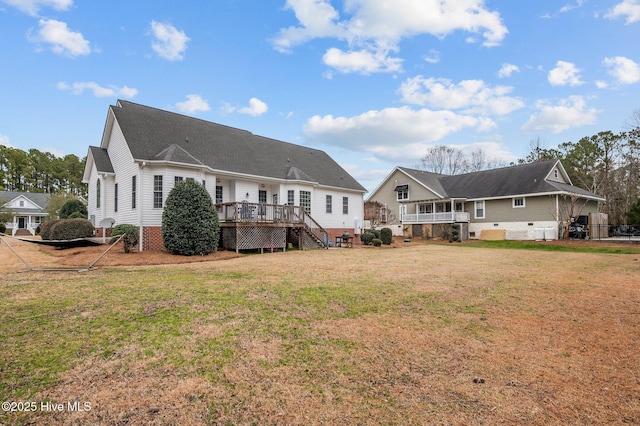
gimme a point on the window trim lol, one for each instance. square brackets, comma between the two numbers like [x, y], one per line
[158, 191]
[329, 204]
[517, 206]
[115, 197]
[484, 209]
[134, 191]
[345, 205]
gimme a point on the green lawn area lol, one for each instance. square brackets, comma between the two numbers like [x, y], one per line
[351, 336]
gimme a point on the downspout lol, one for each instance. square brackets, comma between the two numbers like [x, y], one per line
[141, 206]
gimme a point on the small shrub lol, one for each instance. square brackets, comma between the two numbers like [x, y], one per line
[3, 228]
[455, 233]
[376, 233]
[71, 207]
[386, 235]
[377, 242]
[70, 229]
[45, 228]
[366, 238]
[131, 235]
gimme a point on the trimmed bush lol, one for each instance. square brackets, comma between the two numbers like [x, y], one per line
[45, 228]
[73, 208]
[376, 233]
[386, 235]
[131, 235]
[366, 238]
[377, 242]
[3, 228]
[70, 229]
[189, 220]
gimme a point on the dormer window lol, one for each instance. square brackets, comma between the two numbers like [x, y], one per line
[402, 191]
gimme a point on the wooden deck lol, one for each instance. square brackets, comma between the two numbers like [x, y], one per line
[250, 226]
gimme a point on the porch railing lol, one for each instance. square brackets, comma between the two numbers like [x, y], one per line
[245, 212]
[446, 217]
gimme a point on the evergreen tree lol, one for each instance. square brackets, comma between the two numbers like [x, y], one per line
[189, 220]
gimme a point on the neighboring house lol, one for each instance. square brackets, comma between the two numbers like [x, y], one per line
[28, 209]
[267, 192]
[516, 201]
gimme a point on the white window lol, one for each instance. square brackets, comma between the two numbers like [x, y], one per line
[329, 203]
[345, 205]
[479, 208]
[518, 202]
[425, 209]
[305, 201]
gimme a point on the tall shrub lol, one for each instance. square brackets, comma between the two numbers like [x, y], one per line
[70, 229]
[45, 228]
[189, 220]
[386, 235]
[73, 207]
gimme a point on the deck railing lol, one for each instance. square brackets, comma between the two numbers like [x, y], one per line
[446, 217]
[245, 212]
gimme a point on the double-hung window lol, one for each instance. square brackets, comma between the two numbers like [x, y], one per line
[480, 210]
[134, 190]
[345, 205]
[157, 191]
[329, 203]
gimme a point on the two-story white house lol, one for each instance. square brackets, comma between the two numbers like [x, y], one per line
[268, 192]
[28, 210]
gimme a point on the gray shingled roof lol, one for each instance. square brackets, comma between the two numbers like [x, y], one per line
[101, 159]
[153, 134]
[503, 182]
[39, 198]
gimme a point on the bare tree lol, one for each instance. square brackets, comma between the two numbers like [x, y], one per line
[569, 207]
[378, 213]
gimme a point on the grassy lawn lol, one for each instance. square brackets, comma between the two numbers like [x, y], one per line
[430, 334]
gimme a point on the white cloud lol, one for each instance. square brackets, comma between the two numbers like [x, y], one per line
[600, 84]
[169, 43]
[569, 7]
[111, 91]
[4, 140]
[377, 27]
[568, 113]
[434, 58]
[256, 107]
[32, 7]
[628, 8]
[565, 73]
[388, 133]
[471, 96]
[623, 69]
[362, 61]
[507, 70]
[194, 103]
[63, 41]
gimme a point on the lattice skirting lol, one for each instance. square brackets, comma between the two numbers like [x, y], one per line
[253, 237]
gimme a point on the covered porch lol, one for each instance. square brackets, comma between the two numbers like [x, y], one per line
[433, 212]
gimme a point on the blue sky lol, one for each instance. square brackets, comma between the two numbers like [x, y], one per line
[371, 82]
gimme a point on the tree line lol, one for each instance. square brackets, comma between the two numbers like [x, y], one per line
[607, 164]
[37, 171]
